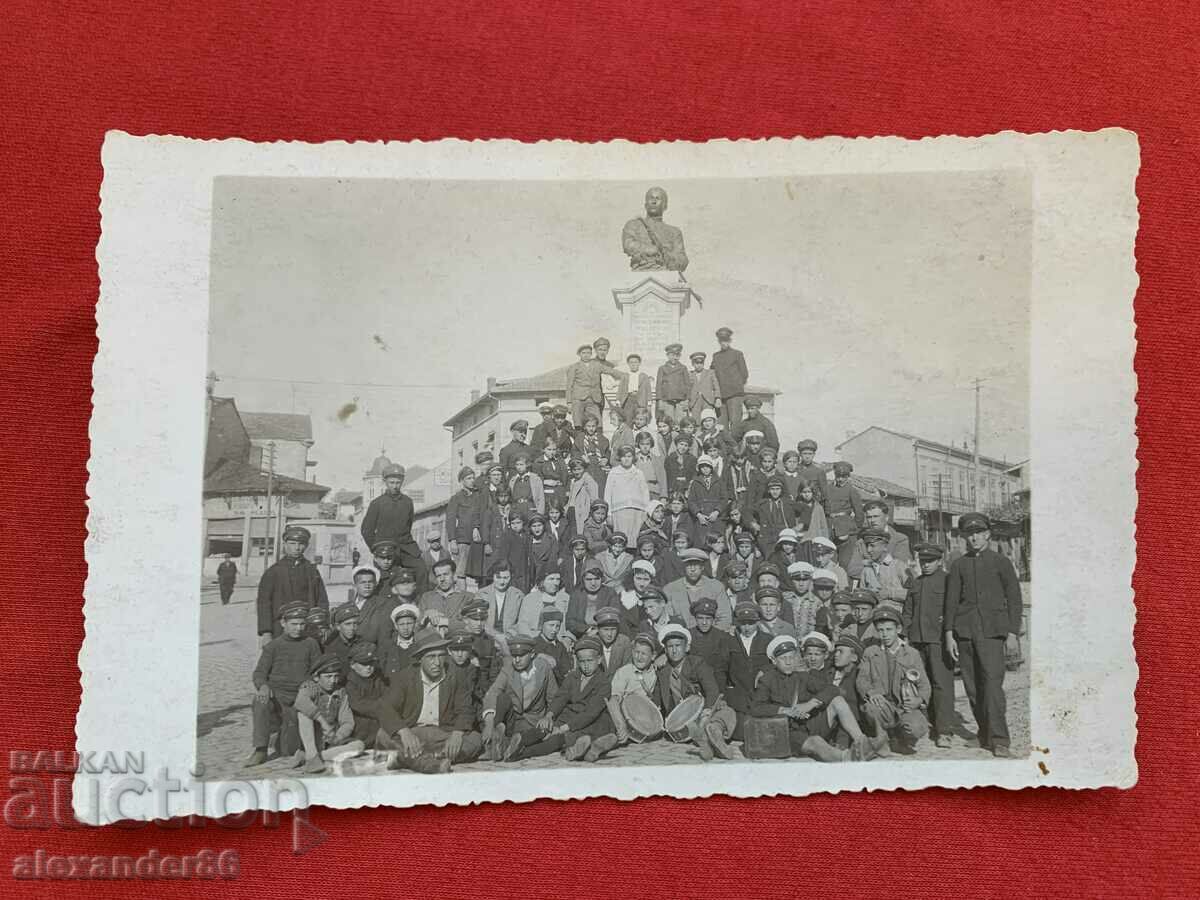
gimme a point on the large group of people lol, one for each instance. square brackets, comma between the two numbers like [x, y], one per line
[677, 578]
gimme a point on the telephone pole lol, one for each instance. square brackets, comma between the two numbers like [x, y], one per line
[270, 479]
[975, 492]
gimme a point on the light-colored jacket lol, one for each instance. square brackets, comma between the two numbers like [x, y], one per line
[508, 616]
[626, 489]
[509, 682]
[529, 618]
[903, 691]
[580, 494]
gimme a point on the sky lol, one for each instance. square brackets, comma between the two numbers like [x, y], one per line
[376, 306]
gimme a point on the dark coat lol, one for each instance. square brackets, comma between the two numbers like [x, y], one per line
[227, 572]
[732, 374]
[776, 689]
[713, 647]
[400, 706]
[573, 569]
[706, 499]
[287, 581]
[815, 476]
[468, 510]
[576, 621]
[696, 678]
[758, 423]
[680, 472]
[375, 617]
[743, 669]
[365, 694]
[388, 518]
[578, 707]
[983, 596]
[563, 660]
[924, 607]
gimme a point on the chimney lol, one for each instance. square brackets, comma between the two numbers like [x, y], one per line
[474, 396]
[491, 385]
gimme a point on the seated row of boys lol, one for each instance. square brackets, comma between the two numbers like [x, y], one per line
[441, 678]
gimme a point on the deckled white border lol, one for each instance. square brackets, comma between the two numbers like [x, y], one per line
[139, 658]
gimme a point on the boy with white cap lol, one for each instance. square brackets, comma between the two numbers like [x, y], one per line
[824, 557]
[805, 604]
[813, 707]
[684, 676]
[396, 654]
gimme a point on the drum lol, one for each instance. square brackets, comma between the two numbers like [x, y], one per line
[642, 716]
[682, 717]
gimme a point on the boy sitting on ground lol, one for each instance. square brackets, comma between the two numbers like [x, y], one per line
[324, 716]
[282, 666]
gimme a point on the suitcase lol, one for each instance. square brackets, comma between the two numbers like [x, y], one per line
[767, 738]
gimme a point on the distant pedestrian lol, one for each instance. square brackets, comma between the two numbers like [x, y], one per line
[226, 578]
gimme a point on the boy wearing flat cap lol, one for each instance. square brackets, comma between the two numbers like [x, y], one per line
[697, 585]
[345, 627]
[577, 720]
[729, 365]
[486, 655]
[426, 715]
[638, 676]
[615, 562]
[587, 600]
[548, 645]
[924, 607]
[844, 511]
[517, 445]
[324, 716]
[982, 621]
[809, 471]
[525, 488]
[703, 390]
[584, 394]
[882, 574]
[709, 643]
[615, 648]
[813, 707]
[893, 684]
[283, 665]
[862, 609]
[684, 676]
[516, 708]
[365, 687]
[756, 421]
[673, 384]
[291, 579]
[468, 526]
[747, 659]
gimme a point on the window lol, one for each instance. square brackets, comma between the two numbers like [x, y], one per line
[491, 439]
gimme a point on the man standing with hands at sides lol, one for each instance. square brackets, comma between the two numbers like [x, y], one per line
[673, 385]
[732, 375]
[390, 517]
[636, 389]
[982, 623]
[291, 579]
[469, 527]
[584, 395]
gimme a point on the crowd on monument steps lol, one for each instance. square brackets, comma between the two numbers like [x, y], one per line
[677, 578]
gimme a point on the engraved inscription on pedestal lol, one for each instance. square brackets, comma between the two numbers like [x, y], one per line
[650, 314]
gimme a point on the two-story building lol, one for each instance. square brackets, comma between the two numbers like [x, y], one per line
[942, 477]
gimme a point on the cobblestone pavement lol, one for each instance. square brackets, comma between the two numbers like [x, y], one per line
[229, 651]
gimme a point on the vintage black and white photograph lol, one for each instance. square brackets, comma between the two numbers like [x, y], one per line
[708, 478]
[566, 473]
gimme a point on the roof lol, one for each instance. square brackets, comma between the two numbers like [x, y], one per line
[552, 382]
[377, 467]
[873, 485]
[347, 497]
[232, 477]
[263, 426]
[936, 445]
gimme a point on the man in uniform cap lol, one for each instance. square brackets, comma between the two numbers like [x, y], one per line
[924, 606]
[426, 715]
[390, 516]
[732, 374]
[756, 421]
[537, 439]
[673, 385]
[365, 686]
[517, 445]
[893, 684]
[703, 392]
[695, 585]
[324, 717]
[809, 471]
[711, 644]
[876, 515]
[283, 665]
[291, 579]
[616, 648]
[982, 621]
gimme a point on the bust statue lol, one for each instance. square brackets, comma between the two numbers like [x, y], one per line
[649, 242]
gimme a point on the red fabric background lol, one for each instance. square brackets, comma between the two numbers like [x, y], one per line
[645, 71]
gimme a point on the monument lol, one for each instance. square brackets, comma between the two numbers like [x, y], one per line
[652, 306]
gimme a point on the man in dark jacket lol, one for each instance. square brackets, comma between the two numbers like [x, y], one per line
[756, 421]
[426, 713]
[390, 517]
[732, 375]
[684, 676]
[291, 579]
[747, 661]
[365, 687]
[469, 528]
[922, 619]
[982, 622]
[226, 578]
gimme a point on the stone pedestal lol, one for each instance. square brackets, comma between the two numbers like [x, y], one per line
[650, 314]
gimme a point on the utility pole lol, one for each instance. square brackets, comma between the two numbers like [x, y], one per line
[270, 480]
[975, 492]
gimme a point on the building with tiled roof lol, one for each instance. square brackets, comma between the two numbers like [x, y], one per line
[291, 434]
